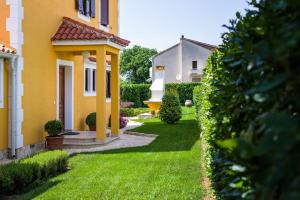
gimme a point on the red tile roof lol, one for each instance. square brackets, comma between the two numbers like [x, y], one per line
[93, 59]
[73, 30]
[7, 49]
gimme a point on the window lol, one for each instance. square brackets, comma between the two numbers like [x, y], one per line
[195, 64]
[94, 80]
[196, 79]
[1, 83]
[86, 9]
[108, 82]
[104, 12]
[90, 80]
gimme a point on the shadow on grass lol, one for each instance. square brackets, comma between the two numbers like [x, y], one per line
[33, 193]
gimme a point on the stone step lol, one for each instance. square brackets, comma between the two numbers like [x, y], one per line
[79, 140]
[87, 145]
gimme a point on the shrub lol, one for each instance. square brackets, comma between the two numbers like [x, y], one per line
[50, 163]
[248, 105]
[184, 90]
[170, 110]
[91, 119]
[123, 122]
[54, 128]
[132, 112]
[19, 176]
[136, 93]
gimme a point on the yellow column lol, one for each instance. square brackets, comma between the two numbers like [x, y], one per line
[115, 94]
[101, 94]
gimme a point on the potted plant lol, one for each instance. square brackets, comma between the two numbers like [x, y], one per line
[54, 139]
[91, 121]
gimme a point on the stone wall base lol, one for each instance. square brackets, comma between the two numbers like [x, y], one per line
[24, 151]
[3, 154]
[30, 149]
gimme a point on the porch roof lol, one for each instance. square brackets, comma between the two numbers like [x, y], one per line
[72, 30]
[4, 49]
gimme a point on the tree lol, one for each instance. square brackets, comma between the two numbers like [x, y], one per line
[170, 110]
[135, 63]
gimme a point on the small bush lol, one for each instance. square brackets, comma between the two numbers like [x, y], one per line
[136, 93]
[91, 119]
[54, 127]
[132, 112]
[170, 110]
[18, 176]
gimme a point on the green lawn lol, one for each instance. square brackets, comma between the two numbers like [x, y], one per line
[169, 168]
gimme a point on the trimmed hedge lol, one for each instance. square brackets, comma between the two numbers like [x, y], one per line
[136, 93]
[21, 175]
[132, 112]
[248, 105]
[184, 90]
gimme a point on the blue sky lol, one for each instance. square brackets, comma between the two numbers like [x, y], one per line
[160, 23]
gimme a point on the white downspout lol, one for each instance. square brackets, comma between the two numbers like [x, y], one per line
[13, 66]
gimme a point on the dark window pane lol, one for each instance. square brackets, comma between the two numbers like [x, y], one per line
[195, 64]
[108, 80]
[104, 12]
[94, 80]
[87, 80]
[80, 6]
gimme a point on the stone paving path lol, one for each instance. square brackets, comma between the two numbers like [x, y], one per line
[125, 141]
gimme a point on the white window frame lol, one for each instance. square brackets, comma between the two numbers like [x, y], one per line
[91, 66]
[84, 17]
[1, 83]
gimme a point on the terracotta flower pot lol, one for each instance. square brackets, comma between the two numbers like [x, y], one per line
[55, 142]
[92, 127]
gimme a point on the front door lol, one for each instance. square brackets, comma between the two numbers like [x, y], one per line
[62, 94]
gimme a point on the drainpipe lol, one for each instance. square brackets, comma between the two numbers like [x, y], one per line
[13, 67]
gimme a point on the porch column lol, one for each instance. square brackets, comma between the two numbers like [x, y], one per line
[115, 94]
[101, 94]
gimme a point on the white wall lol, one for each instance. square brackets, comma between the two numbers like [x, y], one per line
[169, 59]
[179, 59]
[191, 52]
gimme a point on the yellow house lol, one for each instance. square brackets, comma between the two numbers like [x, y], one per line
[58, 60]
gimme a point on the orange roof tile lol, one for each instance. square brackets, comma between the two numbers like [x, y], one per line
[73, 30]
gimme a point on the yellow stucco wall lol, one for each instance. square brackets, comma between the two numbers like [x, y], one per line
[4, 113]
[4, 37]
[4, 13]
[41, 20]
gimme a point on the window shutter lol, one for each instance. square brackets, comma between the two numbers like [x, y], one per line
[80, 6]
[104, 12]
[93, 9]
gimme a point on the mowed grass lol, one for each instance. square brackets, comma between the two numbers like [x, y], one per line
[169, 168]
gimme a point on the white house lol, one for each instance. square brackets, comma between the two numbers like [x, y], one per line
[183, 62]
